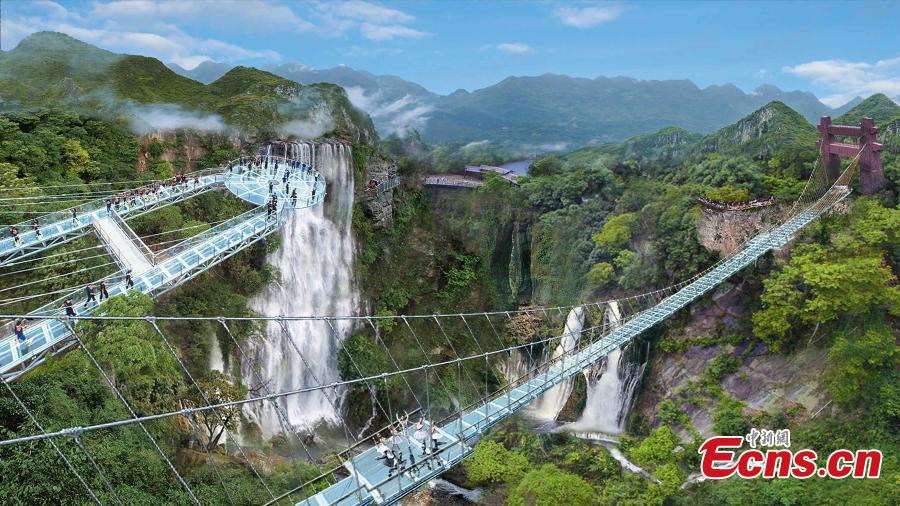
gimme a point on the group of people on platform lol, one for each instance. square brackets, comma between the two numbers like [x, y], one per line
[91, 296]
[736, 206]
[428, 441]
[121, 201]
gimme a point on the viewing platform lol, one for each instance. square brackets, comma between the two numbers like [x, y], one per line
[46, 329]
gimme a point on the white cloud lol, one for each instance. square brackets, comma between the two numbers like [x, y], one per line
[167, 29]
[398, 116]
[846, 80]
[514, 47]
[388, 32]
[588, 16]
[373, 13]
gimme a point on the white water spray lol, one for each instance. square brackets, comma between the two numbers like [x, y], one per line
[612, 384]
[548, 406]
[316, 261]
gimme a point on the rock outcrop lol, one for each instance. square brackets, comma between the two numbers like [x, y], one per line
[377, 205]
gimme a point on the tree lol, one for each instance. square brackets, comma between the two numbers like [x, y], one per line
[656, 449]
[78, 159]
[133, 353]
[548, 485]
[491, 462]
[218, 389]
[616, 233]
[859, 363]
[545, 166]
[601, 274]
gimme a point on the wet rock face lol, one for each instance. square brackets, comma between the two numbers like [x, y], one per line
[377, 205]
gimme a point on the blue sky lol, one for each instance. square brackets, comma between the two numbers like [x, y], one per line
[835, 49]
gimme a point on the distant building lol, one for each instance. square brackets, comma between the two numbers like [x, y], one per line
[479, 171]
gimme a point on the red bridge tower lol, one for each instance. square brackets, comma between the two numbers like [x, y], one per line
[871, 172]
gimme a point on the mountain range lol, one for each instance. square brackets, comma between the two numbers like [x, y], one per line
[546, 111]
[771, 130]
[537, 113]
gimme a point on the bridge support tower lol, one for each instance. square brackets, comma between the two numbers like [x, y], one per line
[871, 171]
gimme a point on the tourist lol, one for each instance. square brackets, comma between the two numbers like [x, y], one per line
[19, 329]
[294, 197]
[70, 309]
[420, 435]
[74, 215]
[271, 185]
[104, 294]
[108, 206]
[129, 283]
[14, 232]
[89, 292]
[118, 202]
[36, 226]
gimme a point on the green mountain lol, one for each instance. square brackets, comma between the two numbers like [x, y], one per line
[52, 69]
[878, 107]
[762, 134]
[553, 109]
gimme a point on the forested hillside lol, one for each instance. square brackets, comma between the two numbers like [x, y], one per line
[50, 69]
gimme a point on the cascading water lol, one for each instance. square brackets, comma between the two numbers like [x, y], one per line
[548, 406]
[611, 389]
[316, 261]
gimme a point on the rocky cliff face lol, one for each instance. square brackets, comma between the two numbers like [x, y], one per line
[377, 205]
[765, 382]
[725, 231]
[182, 148]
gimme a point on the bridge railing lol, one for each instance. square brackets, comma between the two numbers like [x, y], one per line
[93, 205]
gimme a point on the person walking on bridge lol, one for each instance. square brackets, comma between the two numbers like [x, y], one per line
[70, 309]
[36, 226]
[90, 295]
[74, 215]
[104, 293]
[294, 197]
[14, 233]
[108, 207]
[271, 185]
[129, 283]
[19, 329]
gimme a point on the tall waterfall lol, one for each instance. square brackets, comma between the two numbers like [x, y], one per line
[610, 393]
[316, 262]
[548, 406]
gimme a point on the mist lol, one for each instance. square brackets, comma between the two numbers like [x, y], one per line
[152, 118]
[392, 117]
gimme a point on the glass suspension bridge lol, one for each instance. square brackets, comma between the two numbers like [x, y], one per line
[358, 473]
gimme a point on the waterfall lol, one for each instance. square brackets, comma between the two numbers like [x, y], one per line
[316, 262]
[611, 389]
[548, 406]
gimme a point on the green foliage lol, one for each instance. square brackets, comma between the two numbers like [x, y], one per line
[217, 388]
[600, 274]
[728, 193]
[550, 486]
[860, 364]
[727, 418]
[722, 365]
[825, 284]
[549, 165]
[657, 449]
[362, 352]
[491, 462]
[616, 232]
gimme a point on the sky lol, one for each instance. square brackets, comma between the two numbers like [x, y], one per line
[837, 50]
